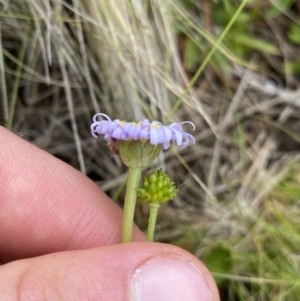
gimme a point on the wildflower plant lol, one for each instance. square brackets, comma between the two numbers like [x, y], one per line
[157, 189]
[138, 144]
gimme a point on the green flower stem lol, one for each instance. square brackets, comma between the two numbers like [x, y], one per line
[134, 175]
[152, 220]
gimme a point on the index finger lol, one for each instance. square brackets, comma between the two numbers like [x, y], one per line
[47, 206]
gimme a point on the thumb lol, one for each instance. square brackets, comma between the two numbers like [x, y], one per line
[133, 272]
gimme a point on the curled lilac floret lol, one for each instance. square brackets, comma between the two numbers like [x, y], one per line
[145, 123]
[100, 114]
[157, 133]
[102, 126]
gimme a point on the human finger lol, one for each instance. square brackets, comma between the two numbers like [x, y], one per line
[47, 206]
[134, 271]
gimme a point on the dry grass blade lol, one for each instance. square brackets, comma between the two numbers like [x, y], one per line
[127, 58]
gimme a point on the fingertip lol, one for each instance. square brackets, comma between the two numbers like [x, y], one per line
[133, 272]
[171, 278]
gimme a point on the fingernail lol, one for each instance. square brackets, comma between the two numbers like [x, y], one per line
[170, 278]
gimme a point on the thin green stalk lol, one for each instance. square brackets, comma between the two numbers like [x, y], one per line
[134, 175]
[207, 59]
[152, 220]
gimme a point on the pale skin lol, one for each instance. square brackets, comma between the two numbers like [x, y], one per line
[60, 234]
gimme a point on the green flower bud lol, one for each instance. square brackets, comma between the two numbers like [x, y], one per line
[157, 188]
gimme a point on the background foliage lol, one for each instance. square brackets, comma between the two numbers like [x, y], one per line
[234, 73]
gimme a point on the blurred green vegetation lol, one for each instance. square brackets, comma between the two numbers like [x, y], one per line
[238, 208]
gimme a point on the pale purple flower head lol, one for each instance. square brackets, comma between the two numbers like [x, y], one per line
[157, 133]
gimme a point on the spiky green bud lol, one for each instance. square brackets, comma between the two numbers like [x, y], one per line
[157, 188]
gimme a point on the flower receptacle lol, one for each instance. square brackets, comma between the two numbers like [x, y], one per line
[138, 153]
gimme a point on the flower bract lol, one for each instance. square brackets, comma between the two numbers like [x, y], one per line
[155, 132]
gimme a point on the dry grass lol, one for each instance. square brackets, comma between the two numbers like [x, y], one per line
[60, 62]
